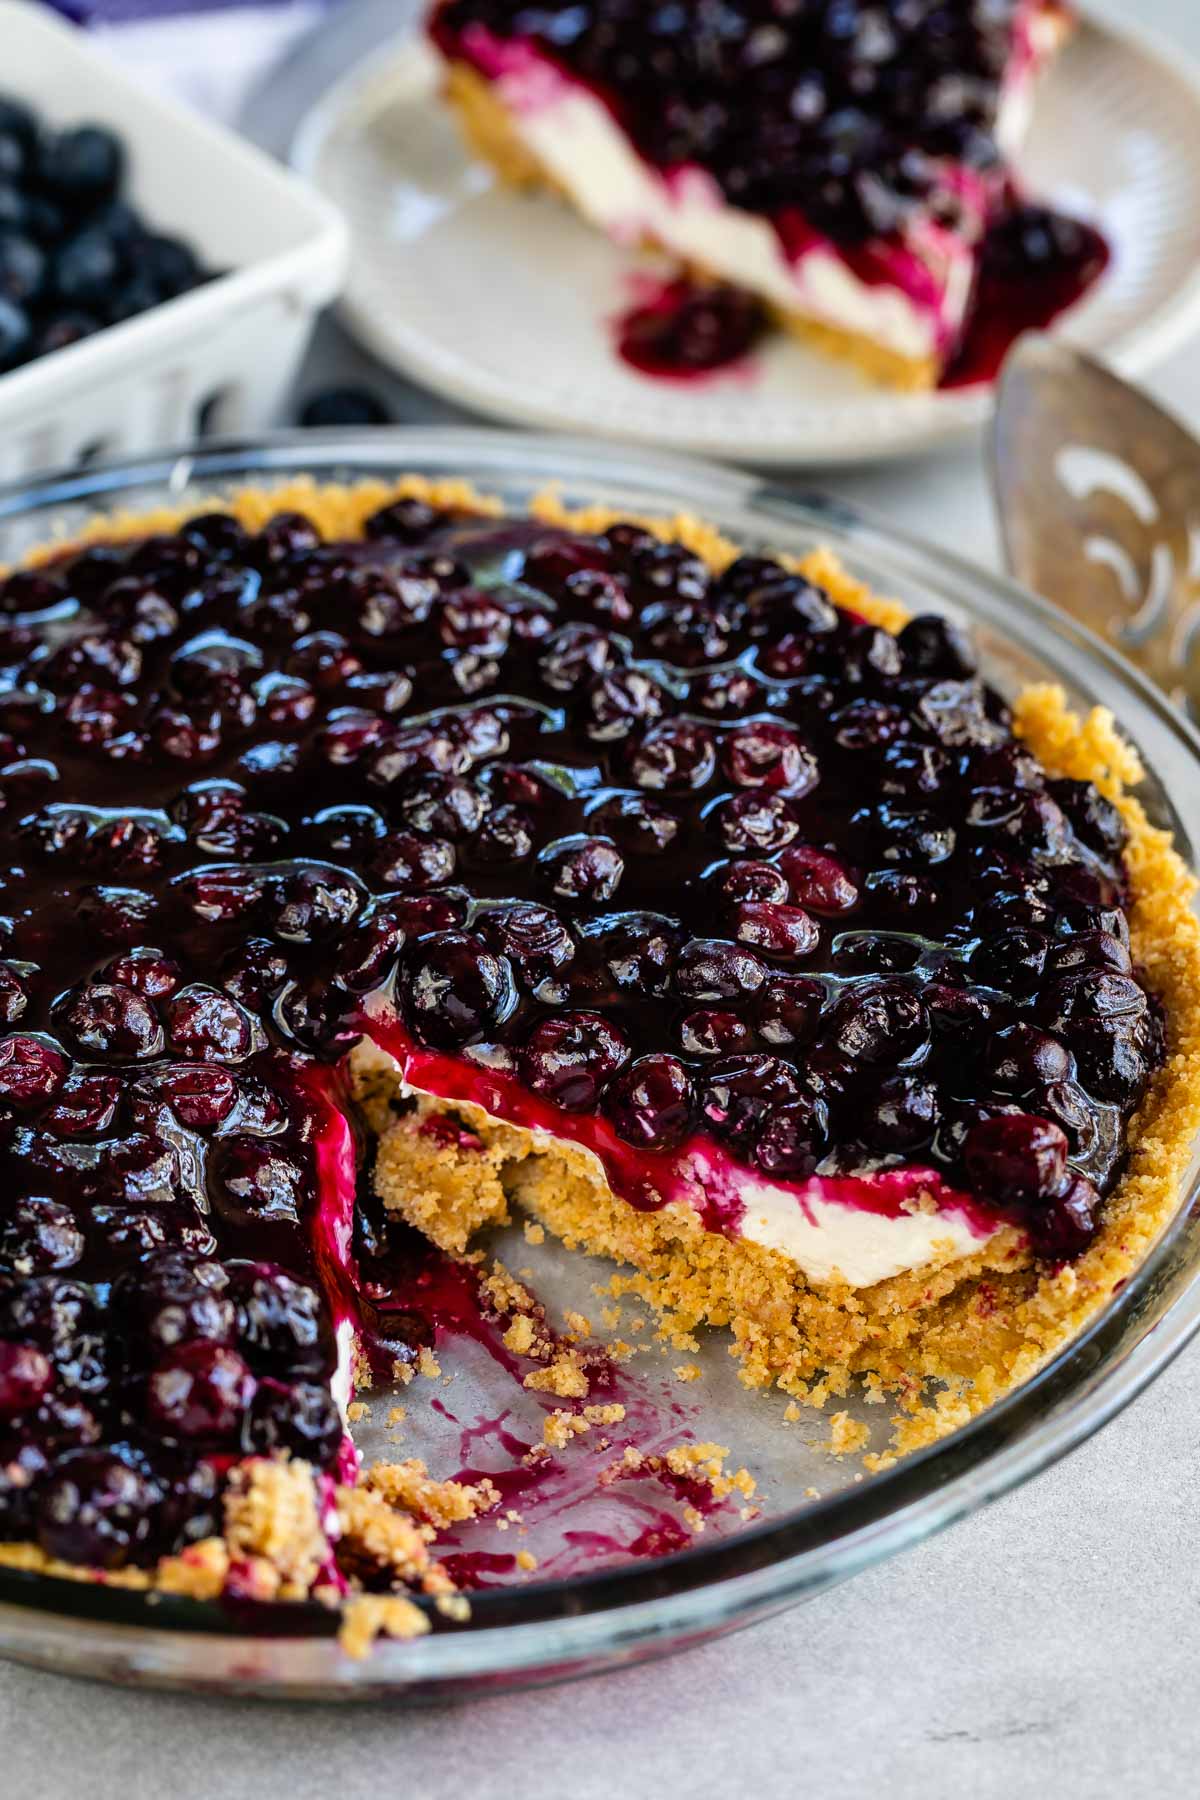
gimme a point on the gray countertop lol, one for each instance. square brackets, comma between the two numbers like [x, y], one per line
[1049, 1644]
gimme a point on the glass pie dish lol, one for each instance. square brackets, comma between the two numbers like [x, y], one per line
[819, 1520]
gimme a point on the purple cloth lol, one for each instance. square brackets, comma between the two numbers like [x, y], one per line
[121, 12]
[211, 53]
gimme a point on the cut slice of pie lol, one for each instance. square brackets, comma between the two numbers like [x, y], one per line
[842, 161]
[693, 903]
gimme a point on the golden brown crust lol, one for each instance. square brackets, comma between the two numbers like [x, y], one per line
[373, 1616]
[272, 1519]
[492, 133]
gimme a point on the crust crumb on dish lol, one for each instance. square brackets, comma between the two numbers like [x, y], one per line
[273, 1524]
[703, 1464]
[372, 1616]
[565, 1377]
[409, 1487]
[847, 1436]
[561, 1426]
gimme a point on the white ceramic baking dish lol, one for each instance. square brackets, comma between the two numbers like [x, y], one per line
[220, 358]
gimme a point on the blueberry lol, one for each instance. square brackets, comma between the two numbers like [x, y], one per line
[570, 1058]
[44, 220]
[85, 270]
[98, 1509]
[62, 329]
[16, 334]
[1017, 1159]
[254, 1179]
[104, 1019]
[82, 167]
[406, 521]
[13, 156]
[132, 297]
[738, 1093]
[282, 1329]
[932, 645]
[39, 1236]
[901, 1116]
[302, 1419]
[878, 1022]
[456, 991]
[19, 121]
[534, 939]
[200, 1391]
[15, 208]
[1093, 818]
[1066, 1226]
[794, 1138]
[344, 406]
[166, 261]
[121, 223]
[650, 1104]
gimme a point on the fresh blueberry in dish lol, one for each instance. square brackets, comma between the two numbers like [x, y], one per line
[16, 333]
[81, 167]
[75, 256]
[22, 268]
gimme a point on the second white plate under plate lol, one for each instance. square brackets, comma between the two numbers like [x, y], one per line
[504, 302]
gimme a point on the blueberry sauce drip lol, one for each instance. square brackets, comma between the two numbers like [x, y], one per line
[1036, 264]
[681, 329]
[681, 855]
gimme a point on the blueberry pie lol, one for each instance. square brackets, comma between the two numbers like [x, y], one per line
[374, 861]
[847, 162]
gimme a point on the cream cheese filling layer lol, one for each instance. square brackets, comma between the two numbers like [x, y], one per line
[829, 1239]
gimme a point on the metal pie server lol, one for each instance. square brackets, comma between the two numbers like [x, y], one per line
[1098, 494]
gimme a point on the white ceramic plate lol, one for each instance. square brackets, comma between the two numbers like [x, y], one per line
[503, 302]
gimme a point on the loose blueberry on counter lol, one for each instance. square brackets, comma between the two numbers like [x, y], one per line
[343, 406]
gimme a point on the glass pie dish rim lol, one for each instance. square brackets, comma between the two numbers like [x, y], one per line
[549, 1629]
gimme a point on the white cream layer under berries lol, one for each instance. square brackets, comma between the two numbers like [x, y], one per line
[846, 180]
[628, 841]
[848, 1230]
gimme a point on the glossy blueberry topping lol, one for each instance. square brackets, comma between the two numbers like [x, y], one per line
[841, 925]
